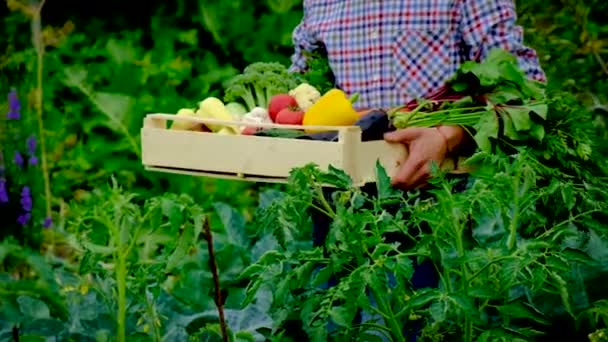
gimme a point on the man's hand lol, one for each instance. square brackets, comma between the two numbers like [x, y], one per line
[424, 145]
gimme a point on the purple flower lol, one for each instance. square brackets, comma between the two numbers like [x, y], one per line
[33, 160]
[31, 145]
[18, 159]
[23, 219]
[3, 192]
[14, 106]
[47, 222]
[26, 199]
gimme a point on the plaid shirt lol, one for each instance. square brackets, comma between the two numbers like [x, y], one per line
[393, 51]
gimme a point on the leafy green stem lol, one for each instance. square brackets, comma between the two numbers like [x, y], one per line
[515, 216]
[391, 319]
[484, 267]
[384, 330]
[119, 254]
[121, 284]
[329, 211]
[39, 46]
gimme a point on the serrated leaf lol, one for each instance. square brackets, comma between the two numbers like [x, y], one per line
[522, 310]
[486, 128]
[173, 210]
[568, 196]
[383, 183]
[336, 177]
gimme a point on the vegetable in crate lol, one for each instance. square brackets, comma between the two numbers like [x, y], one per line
[278, 103]
[214, 108]
[184, 125]
[257, 115]
[334, 108]
[305, 96]
[290, 116]
[236, 109]
[258, 83]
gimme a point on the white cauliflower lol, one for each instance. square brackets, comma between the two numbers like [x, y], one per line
[305, 95]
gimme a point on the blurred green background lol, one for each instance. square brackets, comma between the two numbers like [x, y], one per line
[106, 64]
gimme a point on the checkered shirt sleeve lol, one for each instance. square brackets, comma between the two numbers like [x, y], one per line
[394, 51]
[489, 24]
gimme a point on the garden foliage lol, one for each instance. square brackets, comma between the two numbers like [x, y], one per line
[95, 248]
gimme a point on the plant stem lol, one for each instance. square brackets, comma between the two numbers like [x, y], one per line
[329, 210]
[515, 216]
[39, 46]
[458, 230]
[389, 316]
[216, 279]
[121, 284]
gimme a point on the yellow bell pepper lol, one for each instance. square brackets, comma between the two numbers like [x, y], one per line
[332, 109]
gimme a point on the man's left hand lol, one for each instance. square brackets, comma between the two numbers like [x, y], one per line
[424, 145]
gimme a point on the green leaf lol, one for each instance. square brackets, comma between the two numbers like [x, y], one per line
[322, 276]
[568, 196]
[438, 311]
[342, 316]
[490, 228]
[540, 109]
[522, 310]
[121, 51]
[233, 222]
[537, 132]
[33, 308]
[174, 211]
[115, 107]
[509, 129]
[520, 117]
[597, 247]
[383, 183]
[487, 128]
[336, 177]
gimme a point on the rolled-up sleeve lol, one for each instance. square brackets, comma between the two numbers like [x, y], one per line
[303, 40]
[488, 24]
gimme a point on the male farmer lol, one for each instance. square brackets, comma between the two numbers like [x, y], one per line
[393, 51]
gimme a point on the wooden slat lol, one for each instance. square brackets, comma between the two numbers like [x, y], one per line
[267, 156]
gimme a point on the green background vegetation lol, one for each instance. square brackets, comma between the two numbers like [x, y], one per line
[109, 63]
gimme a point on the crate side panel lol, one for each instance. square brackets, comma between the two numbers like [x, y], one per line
[390, 155]
[264, 156]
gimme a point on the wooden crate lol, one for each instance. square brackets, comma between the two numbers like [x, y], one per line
[260, 159]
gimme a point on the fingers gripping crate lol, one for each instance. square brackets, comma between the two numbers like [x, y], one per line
[257, 158]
